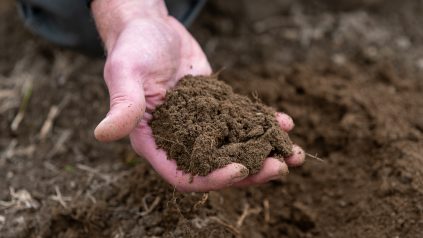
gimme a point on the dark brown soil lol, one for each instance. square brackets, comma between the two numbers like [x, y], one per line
[350, 76]
[204, 125]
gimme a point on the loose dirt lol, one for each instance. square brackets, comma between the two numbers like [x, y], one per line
[350, 75]
[204, 125]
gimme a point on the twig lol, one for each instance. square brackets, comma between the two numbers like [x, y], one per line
[218, 72]
[256, 96]
[266, 210]
[7, 93]
[12, 150]
[173, 201]
[202, 201]
[149, 209]
[315, 157]
[27, 151]
[20, 200]
[91, 197]
[52, 115]
[27, 92]
[108, 178]
[231, 228]
[48, 123]
[58, 146]
[59, 198]
[7, 105]
[247, 211]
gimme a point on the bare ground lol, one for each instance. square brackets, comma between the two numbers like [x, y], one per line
[349, 72]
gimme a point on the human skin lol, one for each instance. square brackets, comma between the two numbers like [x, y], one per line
[148, 51]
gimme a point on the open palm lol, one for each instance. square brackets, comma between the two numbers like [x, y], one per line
[147, 59]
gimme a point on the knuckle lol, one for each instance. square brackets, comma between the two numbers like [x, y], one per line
[122, 99]
[120, 66]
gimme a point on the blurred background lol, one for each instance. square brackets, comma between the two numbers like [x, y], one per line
[348, 72]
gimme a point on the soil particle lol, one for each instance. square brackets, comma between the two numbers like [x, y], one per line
[363, 116]
[204, 125]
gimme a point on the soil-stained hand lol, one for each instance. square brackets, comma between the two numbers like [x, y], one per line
[146, 57]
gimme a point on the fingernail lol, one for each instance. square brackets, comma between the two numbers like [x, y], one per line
[297, 158]
[103, 121]
[276, 177]
[286, 120]
[99, 130]
[283, 171]
[242, 174]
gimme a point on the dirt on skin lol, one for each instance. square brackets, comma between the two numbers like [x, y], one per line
[349, 74]
[204, 126]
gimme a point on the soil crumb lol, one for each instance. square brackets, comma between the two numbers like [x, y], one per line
[204, 125]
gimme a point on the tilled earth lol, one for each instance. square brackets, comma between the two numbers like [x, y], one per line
[349, 73]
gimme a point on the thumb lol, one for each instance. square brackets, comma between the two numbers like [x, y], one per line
[127, 104]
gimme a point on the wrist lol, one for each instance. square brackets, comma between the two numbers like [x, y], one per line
[112, 16]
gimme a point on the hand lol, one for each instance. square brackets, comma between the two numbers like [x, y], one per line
[148, 52]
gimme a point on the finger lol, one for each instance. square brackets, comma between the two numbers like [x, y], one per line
[272, 169]
[218, 179]
[297, 158]
[195, 61]
[127, 103]
[156, 8]
[285, 121]
[144, 144]
[201, 67]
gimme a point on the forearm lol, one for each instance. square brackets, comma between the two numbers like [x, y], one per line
[111, 16]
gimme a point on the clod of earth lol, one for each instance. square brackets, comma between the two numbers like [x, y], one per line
[204, 125]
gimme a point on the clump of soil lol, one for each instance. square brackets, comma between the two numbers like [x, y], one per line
[204, 125]
[354, 91]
